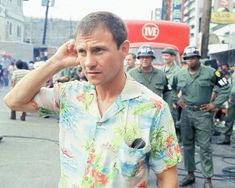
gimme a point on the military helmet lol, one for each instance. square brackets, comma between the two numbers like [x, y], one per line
[145, 51]
[168, 50]
[191, 51]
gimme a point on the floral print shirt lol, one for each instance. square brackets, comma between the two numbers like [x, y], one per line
[95, 151]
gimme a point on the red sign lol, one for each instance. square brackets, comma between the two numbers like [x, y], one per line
[150, 31]
[164, 32]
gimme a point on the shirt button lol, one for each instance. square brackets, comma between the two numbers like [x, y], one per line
[99, 123]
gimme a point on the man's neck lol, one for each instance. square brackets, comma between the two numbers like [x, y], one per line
[147, 69]
[107, 94]
[194, 70]
[169, 64]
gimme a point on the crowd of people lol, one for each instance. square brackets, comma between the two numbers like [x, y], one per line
[119, 118]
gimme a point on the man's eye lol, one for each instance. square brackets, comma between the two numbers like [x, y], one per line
[82, 52]
[98, 50]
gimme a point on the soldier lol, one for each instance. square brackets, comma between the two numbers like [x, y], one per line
[130, 61]
[196, 85]
[230, 117]
[170, 68]
[146, 74]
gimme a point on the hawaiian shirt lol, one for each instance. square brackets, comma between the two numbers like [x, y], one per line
[96, 151]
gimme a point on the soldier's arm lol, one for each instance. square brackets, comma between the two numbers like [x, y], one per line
[223, 89]
[232, 96]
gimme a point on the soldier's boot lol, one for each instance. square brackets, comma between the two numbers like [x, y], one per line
[188, 179]
[13, 115]
[23, 116]
[207, 183]
[226, 141]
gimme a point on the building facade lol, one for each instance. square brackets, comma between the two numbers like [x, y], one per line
[11, 20]
[58, 31]
[192, 16]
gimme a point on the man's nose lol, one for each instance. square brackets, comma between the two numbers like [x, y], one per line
[90, 61]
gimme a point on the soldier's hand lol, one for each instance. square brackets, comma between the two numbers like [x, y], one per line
[181, 103]
[207, 107]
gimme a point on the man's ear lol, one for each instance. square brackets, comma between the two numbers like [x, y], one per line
[125, 47]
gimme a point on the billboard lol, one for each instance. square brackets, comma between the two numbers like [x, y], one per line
[223, 5]
[223, 17]
[222, 13]
[166, 10]
[177, 11]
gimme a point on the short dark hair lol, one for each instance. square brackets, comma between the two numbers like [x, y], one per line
[132, 54]
[108, 20]
[21, 65]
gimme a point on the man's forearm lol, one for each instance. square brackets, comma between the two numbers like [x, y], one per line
[29, 86]
[168, 179]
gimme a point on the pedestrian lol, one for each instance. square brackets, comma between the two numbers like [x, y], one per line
[146, 74]
[229, 121]
[196, 86]
[112, 129]
[17, 75]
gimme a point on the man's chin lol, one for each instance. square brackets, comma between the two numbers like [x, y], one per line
[94, 82]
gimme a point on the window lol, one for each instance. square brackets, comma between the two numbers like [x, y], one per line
[18, 31]
[19, 3]
[9, 28]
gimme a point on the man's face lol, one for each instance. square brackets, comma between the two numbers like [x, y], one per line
[167, 58]
[192, 62]
[100, 58]
[130, 61]
[224, 67]
[146, 61]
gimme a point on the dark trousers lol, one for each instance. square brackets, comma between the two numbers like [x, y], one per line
[196, 128]
[13, 115]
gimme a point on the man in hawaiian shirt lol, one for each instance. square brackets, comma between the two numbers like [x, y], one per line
[101, 120]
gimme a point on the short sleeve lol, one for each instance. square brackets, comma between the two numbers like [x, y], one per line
[47, 100]
[165, 151]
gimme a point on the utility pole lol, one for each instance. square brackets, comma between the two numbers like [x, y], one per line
[45, 23]
[205, 26]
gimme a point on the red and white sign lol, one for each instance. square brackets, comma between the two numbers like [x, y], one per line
[150, 31]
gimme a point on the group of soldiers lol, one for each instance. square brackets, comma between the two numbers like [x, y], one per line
[188, 92]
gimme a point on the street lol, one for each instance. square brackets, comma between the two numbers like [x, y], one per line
[29, 156]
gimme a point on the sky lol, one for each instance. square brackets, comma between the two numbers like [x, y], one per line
[77, 9]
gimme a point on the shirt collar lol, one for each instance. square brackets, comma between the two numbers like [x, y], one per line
[130, 89]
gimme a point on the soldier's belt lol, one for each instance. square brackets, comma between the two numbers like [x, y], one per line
[193, 107]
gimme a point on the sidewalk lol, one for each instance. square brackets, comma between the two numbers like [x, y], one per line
[29, 156]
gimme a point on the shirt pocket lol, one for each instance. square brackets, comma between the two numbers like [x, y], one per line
[131, 160]
[204, 83]
[159, 87]
[182, 86]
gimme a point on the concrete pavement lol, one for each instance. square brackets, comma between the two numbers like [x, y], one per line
[29, 154]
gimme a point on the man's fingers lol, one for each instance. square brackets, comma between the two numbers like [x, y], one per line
[70, 44]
